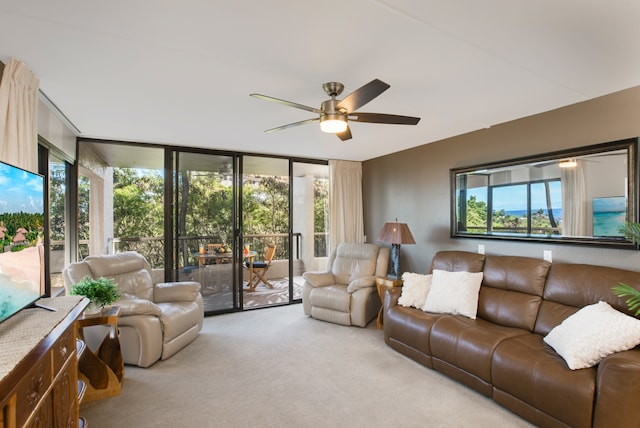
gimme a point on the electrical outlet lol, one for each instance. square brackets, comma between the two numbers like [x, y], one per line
[480, 249]
[547, 256]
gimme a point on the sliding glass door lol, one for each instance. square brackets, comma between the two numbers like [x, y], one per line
[203, 218]
[265, 231]
[310, 219]
[193, 212]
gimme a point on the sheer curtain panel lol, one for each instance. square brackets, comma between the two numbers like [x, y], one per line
[345, 202]
[574, 215]
[18, 126]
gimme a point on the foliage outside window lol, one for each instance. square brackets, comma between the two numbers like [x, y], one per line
[206, 213]
[320, 216]
[57, 194]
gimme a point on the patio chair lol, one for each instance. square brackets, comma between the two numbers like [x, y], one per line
[260, 269]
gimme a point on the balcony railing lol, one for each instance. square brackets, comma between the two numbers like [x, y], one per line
[153, 247]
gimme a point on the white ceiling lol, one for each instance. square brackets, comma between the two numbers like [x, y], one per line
[180, 72]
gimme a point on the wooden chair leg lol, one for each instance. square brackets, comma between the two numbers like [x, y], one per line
[262, 279]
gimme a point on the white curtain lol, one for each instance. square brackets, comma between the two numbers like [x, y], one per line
[345, 201]
[18, 125]
[574, 212]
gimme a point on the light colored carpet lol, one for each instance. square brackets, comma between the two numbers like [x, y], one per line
[276, 367]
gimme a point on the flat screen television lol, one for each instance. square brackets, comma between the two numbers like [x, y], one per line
[21, 239]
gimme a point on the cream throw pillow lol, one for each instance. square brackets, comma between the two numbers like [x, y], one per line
[595, 331]
[415, 287]
[454, 293]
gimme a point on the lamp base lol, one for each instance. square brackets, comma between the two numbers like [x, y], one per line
[395, 262]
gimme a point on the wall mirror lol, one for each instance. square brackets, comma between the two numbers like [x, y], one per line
[578, 196]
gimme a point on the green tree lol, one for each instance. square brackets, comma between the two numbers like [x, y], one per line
[57, 189]
[476, 213]
[320, 215]
[138, 203]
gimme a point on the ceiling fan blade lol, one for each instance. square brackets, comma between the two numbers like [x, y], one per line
[362, 95]
[286, 103]
[291, 125]
[345, 135]
[392, 119]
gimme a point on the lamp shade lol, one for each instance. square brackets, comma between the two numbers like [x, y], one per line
[396, 233]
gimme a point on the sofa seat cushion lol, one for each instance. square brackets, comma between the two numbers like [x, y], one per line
[178, 317]
[469, 344]
[526, 368]
[334, 297]
[412, 328]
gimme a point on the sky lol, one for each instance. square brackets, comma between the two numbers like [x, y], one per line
[20, 191]
[618, 204]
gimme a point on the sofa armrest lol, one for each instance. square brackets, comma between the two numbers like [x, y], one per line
[184, 291]
[617, 390]
[131, 305]
[319, 279]
[391, 297]
[359, 283]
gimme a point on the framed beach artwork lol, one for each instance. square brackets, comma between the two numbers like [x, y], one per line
[609, 215]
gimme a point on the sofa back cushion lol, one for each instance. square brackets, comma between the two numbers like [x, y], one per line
[353, 261]
[457, 261]
[572, 286]
[512, 290]
[130, 270]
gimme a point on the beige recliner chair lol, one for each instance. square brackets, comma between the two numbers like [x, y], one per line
[346, 293]
[156, 319]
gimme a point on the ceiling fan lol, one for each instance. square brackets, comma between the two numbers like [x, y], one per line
[334, 114]
[572, 161]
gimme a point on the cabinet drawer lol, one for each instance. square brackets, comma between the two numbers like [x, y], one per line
[62, 349]
[32, 388]
[43, 417]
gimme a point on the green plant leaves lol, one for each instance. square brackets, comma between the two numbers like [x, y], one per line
[100, 291]
[625, 290]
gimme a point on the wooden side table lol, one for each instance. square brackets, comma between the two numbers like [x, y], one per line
[102, 370]
[383, 283]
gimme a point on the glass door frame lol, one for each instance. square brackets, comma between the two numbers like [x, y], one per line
[172, 169]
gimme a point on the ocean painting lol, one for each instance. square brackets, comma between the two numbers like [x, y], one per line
[609, 215]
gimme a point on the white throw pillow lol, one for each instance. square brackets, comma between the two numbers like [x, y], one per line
[595, 331]
[454, 293]
[415, 287]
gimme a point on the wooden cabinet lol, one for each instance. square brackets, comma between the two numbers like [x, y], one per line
[39, 373]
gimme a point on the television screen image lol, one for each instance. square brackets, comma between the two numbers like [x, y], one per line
[21, 239]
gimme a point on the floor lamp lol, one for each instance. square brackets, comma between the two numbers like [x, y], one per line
[396, 234]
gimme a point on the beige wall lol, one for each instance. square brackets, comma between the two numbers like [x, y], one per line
[413, 185]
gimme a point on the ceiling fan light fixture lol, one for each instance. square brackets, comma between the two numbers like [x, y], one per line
[568, 163]
[333, 123]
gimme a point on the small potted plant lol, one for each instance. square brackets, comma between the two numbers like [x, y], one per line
[632, 233]
[100, 291]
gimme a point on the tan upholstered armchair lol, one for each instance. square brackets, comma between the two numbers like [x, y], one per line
[156, 319]
[346, 293]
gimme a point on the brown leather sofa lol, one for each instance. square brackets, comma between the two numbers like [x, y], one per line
[502, 353]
